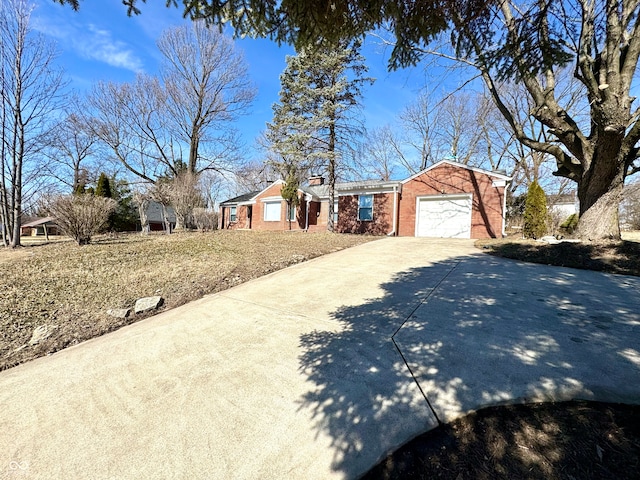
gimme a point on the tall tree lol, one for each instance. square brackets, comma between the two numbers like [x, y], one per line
[207, 88]
[30, 88]
[71, 149]
[154, 125]
[315, 117]
[601, 40]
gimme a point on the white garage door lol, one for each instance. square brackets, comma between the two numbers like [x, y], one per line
[444, 216]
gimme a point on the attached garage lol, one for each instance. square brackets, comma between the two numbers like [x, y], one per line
[451, 200]
[444, 216]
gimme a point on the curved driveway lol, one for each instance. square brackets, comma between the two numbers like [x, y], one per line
[318, 370]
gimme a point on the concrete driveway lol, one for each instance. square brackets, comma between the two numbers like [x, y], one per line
[317, 371]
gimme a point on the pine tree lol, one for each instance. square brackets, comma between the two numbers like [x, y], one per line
[535, 212]
[103, 187]
[289, 192]
[314, 122]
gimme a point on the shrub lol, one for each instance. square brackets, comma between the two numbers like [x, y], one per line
[205, 219]
[570, 224]
[80, 216]
[535, 212]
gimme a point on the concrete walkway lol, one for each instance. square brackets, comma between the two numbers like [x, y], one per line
[312, 372]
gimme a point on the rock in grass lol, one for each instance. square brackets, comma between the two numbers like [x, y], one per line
[40, 333]
[119, 312]
[147, 303]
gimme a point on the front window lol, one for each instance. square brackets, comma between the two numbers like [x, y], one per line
[272, 211]
[335, 212]
[232, 214]
[365, 207]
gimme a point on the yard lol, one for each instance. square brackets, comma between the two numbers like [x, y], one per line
[70, 288]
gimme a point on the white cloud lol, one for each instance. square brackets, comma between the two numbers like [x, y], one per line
[92, 43]
[99, 45]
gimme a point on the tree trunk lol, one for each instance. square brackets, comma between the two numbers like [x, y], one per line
[332, 174]
[600, 193]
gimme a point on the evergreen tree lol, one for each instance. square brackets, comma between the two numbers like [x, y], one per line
[103, 187]
[314, 122]
[289, 192]
[535, 212]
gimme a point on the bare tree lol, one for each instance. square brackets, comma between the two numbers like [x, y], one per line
[184, 195]
[132, 120]
[456, 127]
[207, 88]
[30, 91]
[382, 155]
[155, 126]
[601, 42]
[70, 150]
[419, 122]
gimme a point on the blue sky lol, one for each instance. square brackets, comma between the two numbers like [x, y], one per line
[101, 43]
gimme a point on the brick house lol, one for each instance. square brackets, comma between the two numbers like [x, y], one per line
[447, 199]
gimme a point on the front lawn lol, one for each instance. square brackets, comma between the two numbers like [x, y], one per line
[70, 288]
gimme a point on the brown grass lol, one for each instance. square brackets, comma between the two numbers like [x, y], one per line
[71, 287]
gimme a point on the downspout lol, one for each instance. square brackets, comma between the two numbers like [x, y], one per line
[504, 209]
[306, 220]
[392, 233]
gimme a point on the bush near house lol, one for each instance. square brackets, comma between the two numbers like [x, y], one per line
[535, 212]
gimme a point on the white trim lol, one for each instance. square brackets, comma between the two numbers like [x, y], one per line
[272, 199]
[379, 191]
[442, 197]
[458, 165]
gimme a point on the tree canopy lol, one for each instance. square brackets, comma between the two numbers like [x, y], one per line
[304, 23]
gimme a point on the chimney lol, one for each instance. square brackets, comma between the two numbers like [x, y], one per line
[316, 180]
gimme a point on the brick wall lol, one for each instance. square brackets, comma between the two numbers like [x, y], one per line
[382, 221]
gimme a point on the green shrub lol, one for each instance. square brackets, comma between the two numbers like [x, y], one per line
[535, 212]
[570, 224]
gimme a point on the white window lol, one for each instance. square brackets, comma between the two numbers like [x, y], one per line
[272, 211]
[232, 215]
[335, 212]
[365, 207]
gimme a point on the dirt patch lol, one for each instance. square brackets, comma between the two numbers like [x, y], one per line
[572, 440]
[68, 288]
[611, 257]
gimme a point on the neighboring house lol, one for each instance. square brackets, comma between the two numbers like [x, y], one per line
[40, 226]
[563, 205]
[155, 217]
[448, 199]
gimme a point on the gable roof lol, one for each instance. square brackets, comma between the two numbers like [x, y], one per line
[38, 221]
[245, 197]
[501, 176]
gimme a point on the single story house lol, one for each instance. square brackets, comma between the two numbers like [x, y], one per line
[447, 199]
[40, 226]
[155, 216]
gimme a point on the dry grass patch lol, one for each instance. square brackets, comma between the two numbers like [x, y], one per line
[611, 257]
[71, 287]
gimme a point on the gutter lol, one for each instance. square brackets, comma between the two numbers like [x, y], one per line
[306, 220]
